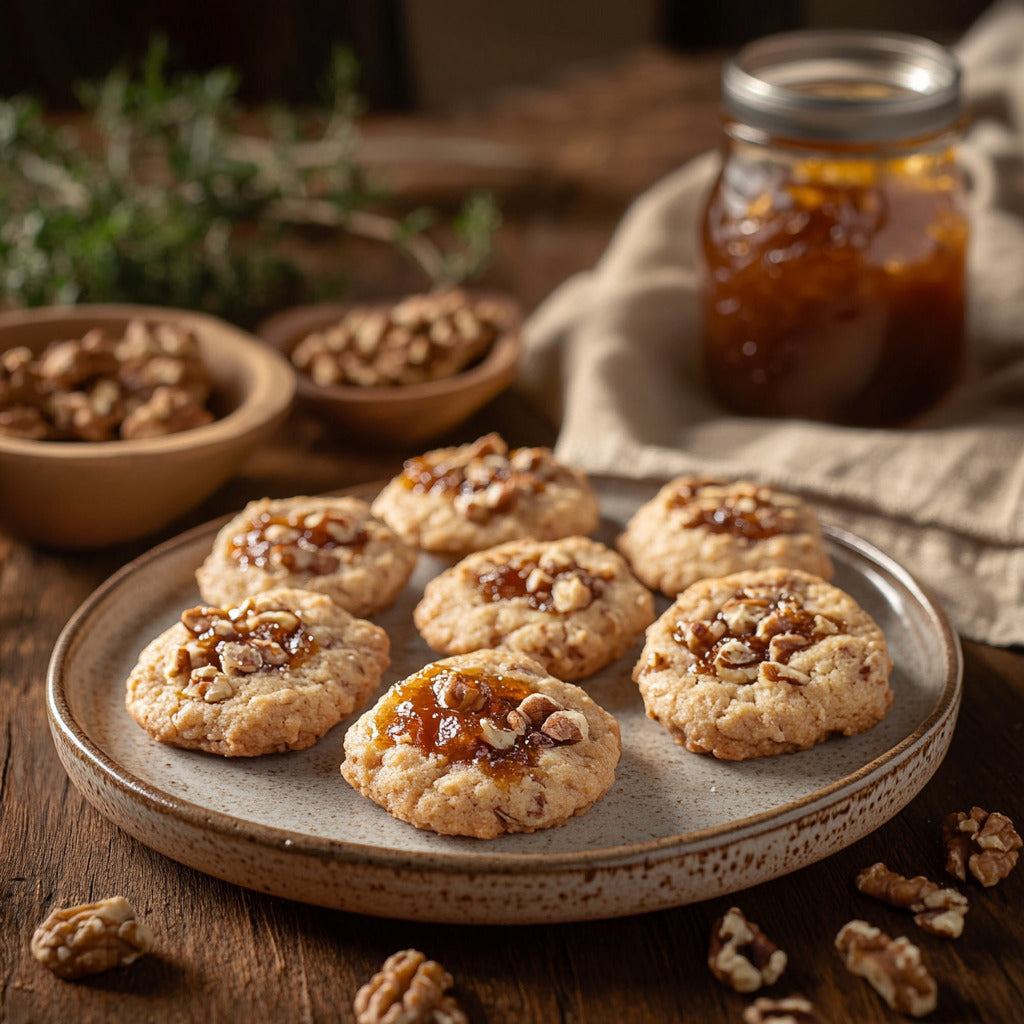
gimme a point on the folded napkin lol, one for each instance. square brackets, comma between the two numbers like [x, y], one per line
[612, 356]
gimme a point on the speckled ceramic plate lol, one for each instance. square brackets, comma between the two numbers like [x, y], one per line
[675, 828]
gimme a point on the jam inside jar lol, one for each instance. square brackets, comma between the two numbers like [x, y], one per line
[834, 239]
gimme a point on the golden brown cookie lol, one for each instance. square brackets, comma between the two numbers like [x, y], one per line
[764, 662]
[473, 496]
[272, 674]
[333, 545]
[696, 527]
[572, 604]
[483, 744]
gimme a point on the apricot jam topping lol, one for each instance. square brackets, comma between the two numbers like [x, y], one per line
[753, 514]
[460, 715]
[546, 588]
[297, 542]
[242, 639]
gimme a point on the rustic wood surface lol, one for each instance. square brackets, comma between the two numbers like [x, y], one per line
[228, 954]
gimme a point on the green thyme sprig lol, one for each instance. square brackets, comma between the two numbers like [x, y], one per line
[162, 199]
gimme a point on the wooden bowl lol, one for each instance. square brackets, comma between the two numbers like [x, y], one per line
[409, 414]
[71, 494]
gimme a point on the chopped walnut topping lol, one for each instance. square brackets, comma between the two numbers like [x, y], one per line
[983, 844]
[536, 707]
[566, 726]
[540, 718]
[313, 542]
[755, 635]
[569, 593]
[741, 955]
[483, 478]
[495, 735]
[228, 643]
[460, 694]
[892, 967]
[91, 938]
[746, 510]
[421, 338]
[937, 910]
[408, 989]
[791, 1010]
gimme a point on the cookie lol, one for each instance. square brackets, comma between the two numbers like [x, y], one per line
[764, 662]
[483, 744]
[456, 500]
[334, 546]
[272, 674]
[696, 527]
[572, 604]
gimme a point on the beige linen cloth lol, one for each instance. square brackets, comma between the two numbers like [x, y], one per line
[611, 355]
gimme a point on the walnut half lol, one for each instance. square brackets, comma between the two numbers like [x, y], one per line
[91, 938]
[791, 1010]
[741, 955]
[892, 967]
[984, 844]
[937, 910]
[408, 989]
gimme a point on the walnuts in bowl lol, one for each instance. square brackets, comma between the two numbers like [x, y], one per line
[149, 382]
[421, 338]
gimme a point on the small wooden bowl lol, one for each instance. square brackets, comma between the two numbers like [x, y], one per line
[409, 414]
[70, 494]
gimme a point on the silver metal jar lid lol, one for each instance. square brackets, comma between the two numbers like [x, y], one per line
[843, 85]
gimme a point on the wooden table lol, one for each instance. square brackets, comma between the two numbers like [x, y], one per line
[225, 953]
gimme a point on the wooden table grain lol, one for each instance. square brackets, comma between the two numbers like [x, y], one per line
[225, 953]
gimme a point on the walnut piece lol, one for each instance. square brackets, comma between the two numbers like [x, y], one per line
[408, 989]
[981, 843]
[542, 720]
[892, 967]
[937, 910]
[76, 941]
[741, 955]
[793, 1009]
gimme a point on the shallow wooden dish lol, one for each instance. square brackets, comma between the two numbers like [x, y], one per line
[406, 415]
[93, 494]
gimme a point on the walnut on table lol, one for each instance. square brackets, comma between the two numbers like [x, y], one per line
[793, 1009]
[937, 910]
[981, 843]
[91, 938]
[741, 955]
[408, 989]
[892, 967]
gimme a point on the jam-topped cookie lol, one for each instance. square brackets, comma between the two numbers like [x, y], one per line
[696, 527]
[483, 744]
[274, 673]
[572, 604]
[764, 662]
[334, 546]
[465, 498]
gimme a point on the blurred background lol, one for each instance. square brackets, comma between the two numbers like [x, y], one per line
[416, 55]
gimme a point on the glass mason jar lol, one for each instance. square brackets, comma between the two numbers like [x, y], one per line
[834, 239]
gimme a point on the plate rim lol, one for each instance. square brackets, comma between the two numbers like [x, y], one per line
[71, 737]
